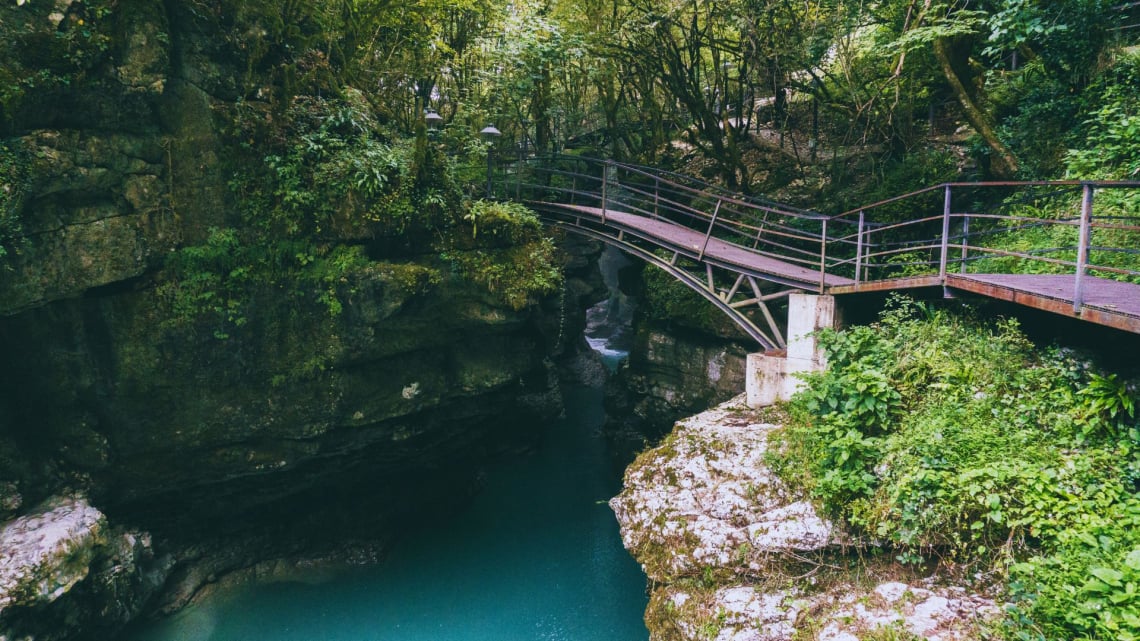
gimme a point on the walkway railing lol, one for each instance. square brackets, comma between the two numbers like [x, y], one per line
[761, 226]
[1079, 228]
[1047, 227]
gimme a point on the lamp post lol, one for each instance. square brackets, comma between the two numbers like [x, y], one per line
[490, 133]
[433, 120]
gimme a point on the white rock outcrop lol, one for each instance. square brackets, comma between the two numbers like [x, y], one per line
[45, 553]
[733, 554]
[705, 498]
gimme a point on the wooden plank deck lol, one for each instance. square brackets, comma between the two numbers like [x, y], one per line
[688, 242]
[1106, 302]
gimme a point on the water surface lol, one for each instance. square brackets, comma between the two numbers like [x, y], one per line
[536, 556]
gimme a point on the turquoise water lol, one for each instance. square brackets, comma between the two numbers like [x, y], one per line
[536, 556]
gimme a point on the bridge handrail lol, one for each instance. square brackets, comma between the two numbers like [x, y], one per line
[790, 234]
[872, 254]
[685, 201]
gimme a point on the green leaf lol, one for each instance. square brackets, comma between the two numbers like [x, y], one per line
[1108, 575]
[1132, 560]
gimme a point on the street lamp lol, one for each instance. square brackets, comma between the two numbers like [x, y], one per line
[490, 133]
[433, 120]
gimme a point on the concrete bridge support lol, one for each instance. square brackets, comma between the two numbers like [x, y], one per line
[772, 377]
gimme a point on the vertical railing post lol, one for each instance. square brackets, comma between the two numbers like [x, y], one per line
[712, 222]
[656, 194]
[823, 256]
[945, 235]
[859, 249]
[1083, 246]
[490, 165]
[605, 180]
[965, 243]
[573, 187]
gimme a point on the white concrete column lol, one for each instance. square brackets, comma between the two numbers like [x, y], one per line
[772, 377]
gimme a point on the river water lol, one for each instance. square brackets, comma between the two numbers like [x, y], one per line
[535, 556]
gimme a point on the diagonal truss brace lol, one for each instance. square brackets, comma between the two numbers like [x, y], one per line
[732, 301]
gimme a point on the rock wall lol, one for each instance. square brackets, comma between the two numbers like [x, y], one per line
[177, 455]
[670, 373]
[684, 357]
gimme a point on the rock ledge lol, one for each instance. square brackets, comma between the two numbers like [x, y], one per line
[734, 555]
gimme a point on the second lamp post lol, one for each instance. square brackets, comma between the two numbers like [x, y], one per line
[490, 133]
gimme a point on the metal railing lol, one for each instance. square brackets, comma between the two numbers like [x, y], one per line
[760, 226]
[1044, 227]
[1058, 227]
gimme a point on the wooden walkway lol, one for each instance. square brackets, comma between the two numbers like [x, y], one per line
[1107, 302]
[766, 250]
[689, 243]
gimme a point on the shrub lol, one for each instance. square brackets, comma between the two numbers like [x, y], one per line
[507, 221]
[954, 439]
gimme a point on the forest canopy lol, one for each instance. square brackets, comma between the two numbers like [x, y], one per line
[1036, 86]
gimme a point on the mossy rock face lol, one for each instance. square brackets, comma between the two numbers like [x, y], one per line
[150, 410]
[391, 374]
[338, 403]
[669, 375]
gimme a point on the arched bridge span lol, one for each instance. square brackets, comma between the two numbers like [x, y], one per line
[744, 254]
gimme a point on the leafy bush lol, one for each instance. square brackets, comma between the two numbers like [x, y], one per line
[1112, 131]
[954, 439]
[515, 274]
[507, 221]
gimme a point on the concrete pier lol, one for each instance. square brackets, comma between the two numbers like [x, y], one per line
[773, 377]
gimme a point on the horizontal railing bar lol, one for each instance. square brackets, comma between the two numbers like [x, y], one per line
[1098, 184]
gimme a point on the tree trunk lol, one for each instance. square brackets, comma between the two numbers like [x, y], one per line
[1004, 162]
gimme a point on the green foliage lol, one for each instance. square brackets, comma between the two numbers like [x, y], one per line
[1109, 140]
[14, 177]
[215, 285]
[1087, 588]
[508, 221]
[667, 299]
[1058, 240]
[40, 59]
[338, 168]
[954, 439]
[1108, 399]
[515, 274]
[844, 411]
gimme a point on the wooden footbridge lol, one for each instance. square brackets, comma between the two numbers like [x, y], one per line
[1067, 247]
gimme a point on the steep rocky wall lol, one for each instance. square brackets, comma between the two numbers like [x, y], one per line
[670, 373]
[299, 428]
[684, 357]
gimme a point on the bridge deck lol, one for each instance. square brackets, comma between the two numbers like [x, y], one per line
[1106, 302]
[689, 242]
